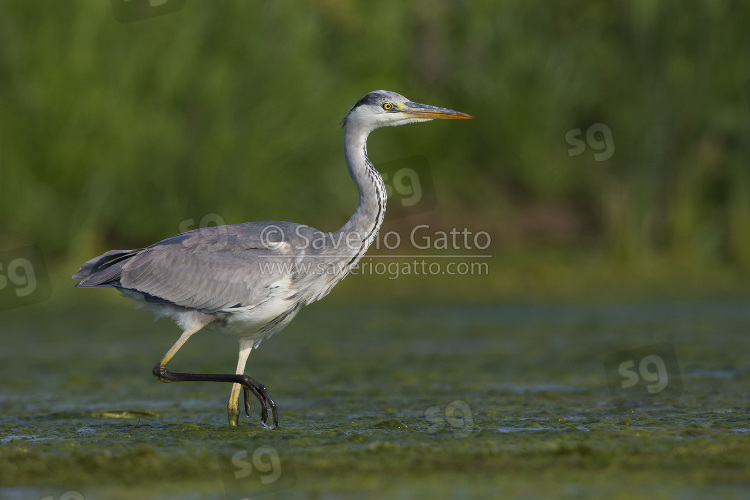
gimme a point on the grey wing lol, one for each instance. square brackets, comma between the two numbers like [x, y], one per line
[208, 269]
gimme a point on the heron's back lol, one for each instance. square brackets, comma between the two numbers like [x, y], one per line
[222, 268]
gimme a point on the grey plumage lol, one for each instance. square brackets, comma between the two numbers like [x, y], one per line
[214, 268]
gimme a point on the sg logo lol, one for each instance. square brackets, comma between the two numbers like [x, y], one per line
[217, 239]
[250, 473]
[409, 186]
[127, 11]
[656, 381]
[644, 372]
[598, 137]
[23, 278]
[67, 495]
[207, 220]
[456, 415]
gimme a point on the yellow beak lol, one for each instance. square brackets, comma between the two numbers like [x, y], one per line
[417, 110]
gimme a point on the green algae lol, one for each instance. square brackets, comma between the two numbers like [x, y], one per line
[418, 402]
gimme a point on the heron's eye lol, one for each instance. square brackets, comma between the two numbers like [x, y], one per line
[388, 106]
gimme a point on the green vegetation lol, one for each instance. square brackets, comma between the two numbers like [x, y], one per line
[113, 134]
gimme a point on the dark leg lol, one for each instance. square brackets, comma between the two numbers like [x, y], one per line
[249, 385]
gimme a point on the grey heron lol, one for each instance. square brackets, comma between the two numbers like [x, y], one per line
[250, 280]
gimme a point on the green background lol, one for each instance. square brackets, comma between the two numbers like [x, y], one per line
[113, 134]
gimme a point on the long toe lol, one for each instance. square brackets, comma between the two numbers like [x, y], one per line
[247, 400]
[259, 391]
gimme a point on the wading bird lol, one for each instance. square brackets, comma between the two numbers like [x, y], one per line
[249, 280]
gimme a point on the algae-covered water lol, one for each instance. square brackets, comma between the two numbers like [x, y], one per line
[383, 401]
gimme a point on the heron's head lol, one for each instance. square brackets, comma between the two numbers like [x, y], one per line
[382, 108]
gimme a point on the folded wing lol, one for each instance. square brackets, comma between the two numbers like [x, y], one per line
[208, 269]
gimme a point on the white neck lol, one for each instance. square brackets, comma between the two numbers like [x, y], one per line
[370, 213]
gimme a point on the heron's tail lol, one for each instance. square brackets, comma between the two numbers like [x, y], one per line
[103, 271]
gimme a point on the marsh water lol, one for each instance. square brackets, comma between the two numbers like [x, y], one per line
[385, 401]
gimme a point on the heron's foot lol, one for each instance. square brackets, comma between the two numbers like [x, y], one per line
[248, 384]
[247, 401]
[259, 391]
[161, 373]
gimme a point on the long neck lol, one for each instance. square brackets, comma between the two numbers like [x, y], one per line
[362, 228]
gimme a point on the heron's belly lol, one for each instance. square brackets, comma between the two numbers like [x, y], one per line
[255, 322]
[251, 322]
